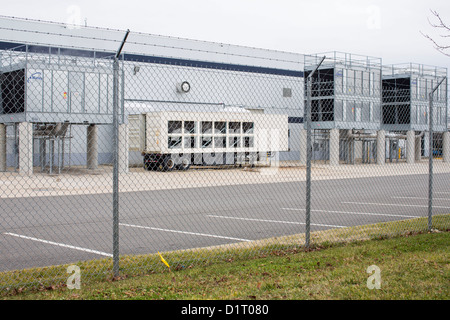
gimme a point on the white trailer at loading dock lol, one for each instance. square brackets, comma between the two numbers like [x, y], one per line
[170, 140]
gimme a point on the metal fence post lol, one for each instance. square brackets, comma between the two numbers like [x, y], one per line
[308, 163]
[430, 160]
[430, 163]
[115, 169]
[308, 157]
[116, 69]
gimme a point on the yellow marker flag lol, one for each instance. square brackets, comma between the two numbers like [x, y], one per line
[164, 261]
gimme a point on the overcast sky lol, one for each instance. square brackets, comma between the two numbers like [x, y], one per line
[386, 29]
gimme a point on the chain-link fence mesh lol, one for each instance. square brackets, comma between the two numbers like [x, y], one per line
[210, 159]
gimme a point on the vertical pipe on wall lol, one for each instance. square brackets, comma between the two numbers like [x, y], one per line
[2, 147]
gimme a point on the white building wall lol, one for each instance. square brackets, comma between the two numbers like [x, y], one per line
[257, 90]
[253, 90]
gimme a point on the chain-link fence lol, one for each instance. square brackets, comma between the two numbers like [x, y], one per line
[109, 160]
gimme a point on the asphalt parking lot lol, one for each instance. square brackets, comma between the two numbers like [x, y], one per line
[43, 230]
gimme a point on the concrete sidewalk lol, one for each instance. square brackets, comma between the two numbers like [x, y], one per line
[78, 181]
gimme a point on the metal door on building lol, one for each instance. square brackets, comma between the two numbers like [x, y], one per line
[76, 92]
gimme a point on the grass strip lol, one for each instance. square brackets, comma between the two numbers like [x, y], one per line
[97, 272]
[412, 267]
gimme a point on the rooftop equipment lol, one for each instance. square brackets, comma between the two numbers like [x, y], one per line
[346, 91]
[406, 89]
[41, 85]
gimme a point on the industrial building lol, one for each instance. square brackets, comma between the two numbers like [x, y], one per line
[57, 93]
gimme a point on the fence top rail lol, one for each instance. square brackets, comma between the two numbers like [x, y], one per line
[409, 69]
[342, 59]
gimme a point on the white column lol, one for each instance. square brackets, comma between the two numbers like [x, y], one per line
[334, 147]
[123, 148]
[26, 148]
[418, 149]
[427, 145]
[446, 147]
[302, 148]
[2, 148]
[410, 146]
[381, 147]
[92, 147]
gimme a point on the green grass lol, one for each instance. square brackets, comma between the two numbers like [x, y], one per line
[413, 266]
[101, 270]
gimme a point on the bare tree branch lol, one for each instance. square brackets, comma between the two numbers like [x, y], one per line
[441, 25]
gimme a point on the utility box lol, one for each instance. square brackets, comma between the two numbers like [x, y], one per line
[345, 91]
[51, 88]
[179, 139]
[406, 89]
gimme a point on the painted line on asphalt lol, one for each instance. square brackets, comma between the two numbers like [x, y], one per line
[59, 244]
[183, 232]
[359, 213]
[394, 204]
[445, 199]
[276, 221]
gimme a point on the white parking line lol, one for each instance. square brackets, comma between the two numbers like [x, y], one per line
[60, 244]
[394, 204]
[275, 221]
[359, 213]
[184, 232]
[446, 199]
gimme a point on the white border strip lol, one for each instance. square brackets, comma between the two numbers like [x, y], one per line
[446, 199]
[184, 232]
[349, 212]
[394, 204]
[276, 221]
[59, 244]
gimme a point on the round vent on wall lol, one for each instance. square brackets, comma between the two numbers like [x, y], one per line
[183, 87]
